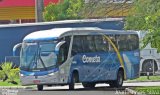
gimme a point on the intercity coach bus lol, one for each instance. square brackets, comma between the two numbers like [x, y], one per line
[65, 56]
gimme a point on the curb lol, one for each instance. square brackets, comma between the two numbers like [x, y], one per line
[16, 87]
[141, 81]
[133, 92]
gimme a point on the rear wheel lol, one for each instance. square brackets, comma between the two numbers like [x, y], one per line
[40, 87]
[88, 85]
[119, 81]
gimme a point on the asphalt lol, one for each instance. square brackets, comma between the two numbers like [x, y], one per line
[101, 89]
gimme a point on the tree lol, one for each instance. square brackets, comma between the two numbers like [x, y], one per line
[68, 9]
[106, 8]
[56, 11]
[145, 16]
[75, 8]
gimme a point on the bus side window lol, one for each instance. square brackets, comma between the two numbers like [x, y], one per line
[63, 51]
[122, 40]
[113, 39]
[133, 42]
[77, 45]
[101, 44]
[89, 44]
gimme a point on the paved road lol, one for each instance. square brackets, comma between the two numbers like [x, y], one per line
[63, 90]
[101, 89]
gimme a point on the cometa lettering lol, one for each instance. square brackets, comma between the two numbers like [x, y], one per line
[95, 59]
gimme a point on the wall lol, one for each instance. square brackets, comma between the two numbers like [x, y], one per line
[13, 34]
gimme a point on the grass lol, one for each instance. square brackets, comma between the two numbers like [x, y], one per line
[144, 78]
[6, 83]
[148, 90]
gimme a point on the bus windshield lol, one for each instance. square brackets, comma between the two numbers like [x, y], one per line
[38, 56]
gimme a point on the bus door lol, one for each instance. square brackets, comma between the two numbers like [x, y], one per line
[63, 63]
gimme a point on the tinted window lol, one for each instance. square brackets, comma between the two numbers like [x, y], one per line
[128, 42]
[122, 42]
[89, 44]
[77, 44]
[101, 44]
[114, 41]
[63, 51]
[133, 42]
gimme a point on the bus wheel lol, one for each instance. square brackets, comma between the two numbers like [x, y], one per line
[74, 79]
[88, 85]
[40, 87]
[119, 81]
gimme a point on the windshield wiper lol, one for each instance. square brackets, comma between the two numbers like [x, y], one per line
[33, 61]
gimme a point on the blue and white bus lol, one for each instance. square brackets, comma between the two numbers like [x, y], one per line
[65, 56]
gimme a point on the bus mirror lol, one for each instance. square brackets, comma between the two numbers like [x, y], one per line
[58, 46]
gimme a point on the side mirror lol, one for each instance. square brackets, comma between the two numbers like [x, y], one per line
[15, 48]
[58, 46]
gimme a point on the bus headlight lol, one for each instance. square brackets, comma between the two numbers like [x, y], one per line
[21, 75]
[51, 74]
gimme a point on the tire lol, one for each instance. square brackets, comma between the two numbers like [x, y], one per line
[111, 84]
[119, 81]
[74, 79]
[88, 85]
[148, 67]
[40, 87]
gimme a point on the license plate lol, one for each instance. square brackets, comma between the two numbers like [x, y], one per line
[36, 81]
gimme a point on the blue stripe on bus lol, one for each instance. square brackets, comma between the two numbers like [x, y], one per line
[38, 73]
[40, 39]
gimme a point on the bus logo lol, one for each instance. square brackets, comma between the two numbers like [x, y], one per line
[95, 59]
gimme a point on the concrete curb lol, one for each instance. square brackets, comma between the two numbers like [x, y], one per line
[16, 87]
[141, 81]
[133, 92]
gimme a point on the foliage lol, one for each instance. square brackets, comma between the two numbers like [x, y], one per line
[56, 11]
[6, 83]
[145, 16]
[6, 67]
[105, 8]
[75, 8]
[2, 75]
[9, 72]
[68, 9]
[13, 75]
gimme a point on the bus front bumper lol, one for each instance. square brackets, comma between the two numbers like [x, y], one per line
[36, 80]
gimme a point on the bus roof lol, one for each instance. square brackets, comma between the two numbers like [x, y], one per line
[52, 34]
[55, 33]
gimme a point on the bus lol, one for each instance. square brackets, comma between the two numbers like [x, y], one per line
[65, 56]
[150, 57]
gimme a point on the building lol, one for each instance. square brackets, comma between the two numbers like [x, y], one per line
[19, 11]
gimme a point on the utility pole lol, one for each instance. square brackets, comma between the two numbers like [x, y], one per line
[39, 6]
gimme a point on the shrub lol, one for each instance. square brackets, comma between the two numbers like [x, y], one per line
[2, 75]
[9, 72]
[6, 68]
[13, 75]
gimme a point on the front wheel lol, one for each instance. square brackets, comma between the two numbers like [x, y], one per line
[40, 87]
[88, 85]
[74, 79]
[119, 81]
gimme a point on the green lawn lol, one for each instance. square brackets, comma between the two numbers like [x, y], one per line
[148, 90]
[144, 78]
